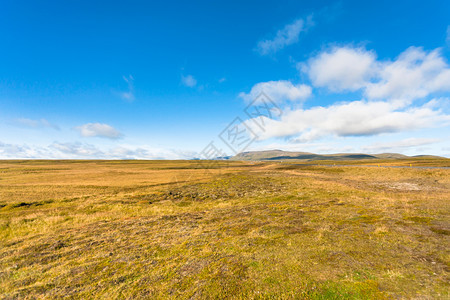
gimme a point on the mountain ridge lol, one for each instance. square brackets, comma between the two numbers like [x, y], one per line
[308, 156]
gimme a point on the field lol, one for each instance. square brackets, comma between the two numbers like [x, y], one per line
[228, 229]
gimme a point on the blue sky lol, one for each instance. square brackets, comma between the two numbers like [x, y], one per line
[133, 79]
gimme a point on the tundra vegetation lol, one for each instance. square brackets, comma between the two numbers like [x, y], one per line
[232, 229]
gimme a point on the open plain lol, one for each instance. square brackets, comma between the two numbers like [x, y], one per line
[224, 229]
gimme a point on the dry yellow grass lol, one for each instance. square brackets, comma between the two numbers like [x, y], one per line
[172, 229]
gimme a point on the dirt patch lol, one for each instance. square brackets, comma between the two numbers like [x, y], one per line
[402, 186]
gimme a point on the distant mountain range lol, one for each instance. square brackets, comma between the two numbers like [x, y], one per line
[287, 155]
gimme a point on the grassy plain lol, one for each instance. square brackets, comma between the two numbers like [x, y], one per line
[253, 230]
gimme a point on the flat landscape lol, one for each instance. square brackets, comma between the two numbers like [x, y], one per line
[225, 229]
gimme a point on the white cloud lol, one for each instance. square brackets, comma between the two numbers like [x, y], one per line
[98, 130]
[284, 37]
[128, 95]
[340, 69]
[398, 145]
[278, 91]
[42, 123]
[414, 74]
[357, 118]
[223, 79]
[188, 80]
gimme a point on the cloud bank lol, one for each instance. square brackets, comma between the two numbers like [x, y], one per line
[77, 150]
[414, 74]
[357, 118]
[389, 90]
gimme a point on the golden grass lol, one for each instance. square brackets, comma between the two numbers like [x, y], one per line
[172, 229]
